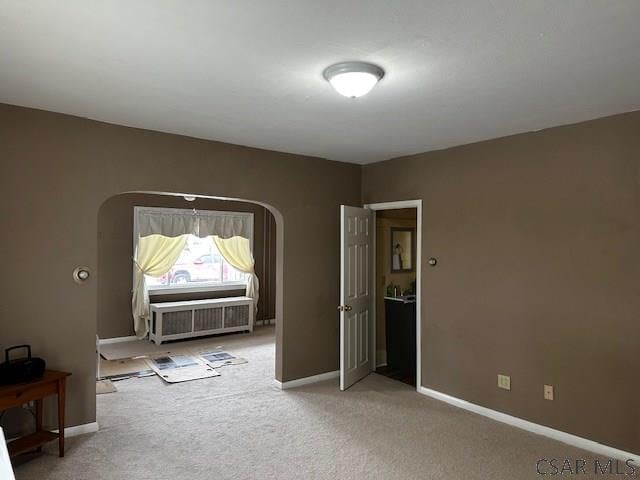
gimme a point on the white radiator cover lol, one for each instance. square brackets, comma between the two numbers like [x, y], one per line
[195, 318]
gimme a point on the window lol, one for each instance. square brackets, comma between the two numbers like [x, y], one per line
[199, 265]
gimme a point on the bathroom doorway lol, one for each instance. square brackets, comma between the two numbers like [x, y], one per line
[397, 263]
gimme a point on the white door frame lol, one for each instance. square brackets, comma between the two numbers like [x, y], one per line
[417, 204]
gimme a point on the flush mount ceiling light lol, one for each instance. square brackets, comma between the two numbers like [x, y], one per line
[189, 198]
[353, 79]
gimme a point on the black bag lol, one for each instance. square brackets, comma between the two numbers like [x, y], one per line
[21, 370]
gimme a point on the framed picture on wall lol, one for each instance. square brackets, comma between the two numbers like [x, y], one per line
[403, 249]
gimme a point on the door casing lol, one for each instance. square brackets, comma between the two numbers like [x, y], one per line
[417, 204]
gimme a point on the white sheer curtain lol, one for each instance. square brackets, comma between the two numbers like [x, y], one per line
[159, 238]
[154, 256]
[237, 251]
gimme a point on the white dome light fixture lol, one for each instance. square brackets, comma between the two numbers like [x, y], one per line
[353, 79]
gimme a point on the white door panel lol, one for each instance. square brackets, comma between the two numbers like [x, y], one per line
[356, 300]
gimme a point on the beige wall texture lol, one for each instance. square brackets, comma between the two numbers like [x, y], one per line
[537, 238]
[58, 170]
[115, 251]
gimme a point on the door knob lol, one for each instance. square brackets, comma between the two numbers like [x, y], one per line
[345, 308]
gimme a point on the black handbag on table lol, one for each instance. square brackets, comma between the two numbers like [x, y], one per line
[21, 370]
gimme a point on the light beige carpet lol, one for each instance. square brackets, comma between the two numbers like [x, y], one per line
[239, 426]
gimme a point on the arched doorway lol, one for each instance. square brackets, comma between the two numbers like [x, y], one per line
[114, 257]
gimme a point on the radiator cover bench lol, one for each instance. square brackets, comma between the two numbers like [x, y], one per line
[195, 318]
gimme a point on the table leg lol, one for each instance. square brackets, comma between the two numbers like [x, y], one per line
[61, 402]
[39, 418]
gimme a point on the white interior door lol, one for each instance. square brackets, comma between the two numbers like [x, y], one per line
[356, 297]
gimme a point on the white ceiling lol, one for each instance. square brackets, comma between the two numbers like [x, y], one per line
[250, 72]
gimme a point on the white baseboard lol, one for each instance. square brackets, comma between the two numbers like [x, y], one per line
[80, 429]
[307, 380]
[558, 435]
[381, 358]
[107, 341]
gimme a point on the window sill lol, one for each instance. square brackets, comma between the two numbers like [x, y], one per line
[197, 289]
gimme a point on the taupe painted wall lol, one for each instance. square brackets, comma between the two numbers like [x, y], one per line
[57, 171]
[537, 237]
[538, 244]
[115, 250]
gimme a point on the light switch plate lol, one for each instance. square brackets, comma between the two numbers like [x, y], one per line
[548, 392]
[504, 382]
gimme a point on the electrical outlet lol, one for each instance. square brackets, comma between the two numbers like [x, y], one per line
[548, 392]
[504, 382]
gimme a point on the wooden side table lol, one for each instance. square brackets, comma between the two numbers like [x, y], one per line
[51, 383]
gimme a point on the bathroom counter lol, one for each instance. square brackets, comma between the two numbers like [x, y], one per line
[403, 298]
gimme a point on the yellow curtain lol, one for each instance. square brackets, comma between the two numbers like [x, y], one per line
[154, 256]
[237, 251]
